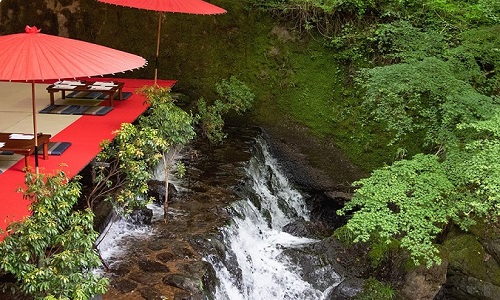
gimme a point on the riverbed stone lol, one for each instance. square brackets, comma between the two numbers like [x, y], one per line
[150, 293]
[183, 282]
[152, 266]
[141, 216]
[346, 290]
[463, 287]
[125, 286]
[424, 283]
[156, 190]
[145, 278]
[120, 269]
[314, 230]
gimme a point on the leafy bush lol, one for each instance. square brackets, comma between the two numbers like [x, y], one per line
[235, 96]
[413, 200]
[401, 41]
[51, 253]
[172, 126]
[408, 200]
[421, 96]
[124, 166]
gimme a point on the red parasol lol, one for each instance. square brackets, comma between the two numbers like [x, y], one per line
[198, 7]
[33, 56]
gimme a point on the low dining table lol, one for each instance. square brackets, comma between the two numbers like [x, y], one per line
[24, 144]
[110, 88]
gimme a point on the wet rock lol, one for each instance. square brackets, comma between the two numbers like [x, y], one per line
[473, 273]
[141, 216]
[156, 190]
[209, 280]
[120, 270]
[152, 266]
[193, 267]
[347, 289]
[159, 244]
[145, 278]
[320, 167]
[314, 230]
[183, 282]
[186, 296]
[317, 269]
[493, 247]
[463, 287]
[324, 209]
[150, 293]
[423, 283]
[166, 257]
[125, 286]
[103, 212]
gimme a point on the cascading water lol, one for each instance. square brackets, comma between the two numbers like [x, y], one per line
[254, 265]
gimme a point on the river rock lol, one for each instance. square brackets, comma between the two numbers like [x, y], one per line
[152, 266]
[473, 273]
[347, 289]
[463, 287]
[324, 208]
[314, 230]
[125, 286]
[423, 283]
[141, 216]
[150, 293]
[184, 282]
[156, 190]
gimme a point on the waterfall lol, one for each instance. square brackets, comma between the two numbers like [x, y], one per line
[254, 265]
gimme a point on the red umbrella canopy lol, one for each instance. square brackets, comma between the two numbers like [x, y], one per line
[36, 56]
[176, 6]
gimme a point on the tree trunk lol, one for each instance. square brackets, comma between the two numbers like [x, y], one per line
[166, 170]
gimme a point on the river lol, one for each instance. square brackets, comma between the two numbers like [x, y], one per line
[224, 230]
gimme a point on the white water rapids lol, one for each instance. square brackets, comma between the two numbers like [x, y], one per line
[256, 241]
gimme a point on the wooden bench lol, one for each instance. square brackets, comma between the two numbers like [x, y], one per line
[25, 147]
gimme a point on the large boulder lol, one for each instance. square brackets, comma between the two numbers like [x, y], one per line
[424, 283]
[473, 273]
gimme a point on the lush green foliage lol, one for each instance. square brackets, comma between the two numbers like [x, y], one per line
[174, 128]
[124, 166]
[375, 290]
[51, 253]
[172, 123]
[235, 96]
[412, 200]
[435, 85]
[421, 96]
[211, 121]
[408, 200]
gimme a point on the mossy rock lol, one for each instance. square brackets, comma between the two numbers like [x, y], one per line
[467, 255]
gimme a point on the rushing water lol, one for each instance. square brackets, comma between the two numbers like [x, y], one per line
[259, 260]
[255, 267]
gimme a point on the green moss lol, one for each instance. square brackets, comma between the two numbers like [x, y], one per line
[376, 290]
[466, 254]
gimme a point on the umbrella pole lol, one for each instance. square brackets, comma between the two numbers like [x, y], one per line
[158, 47]
[35, 133]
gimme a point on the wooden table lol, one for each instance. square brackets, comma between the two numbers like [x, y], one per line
[87, 86]
[24, 146]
